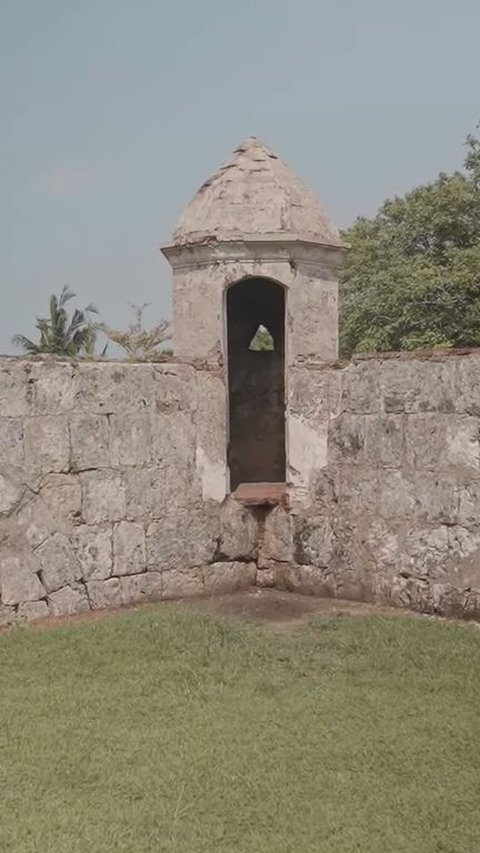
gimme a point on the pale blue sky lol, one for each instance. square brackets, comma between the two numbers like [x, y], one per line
[114, 111]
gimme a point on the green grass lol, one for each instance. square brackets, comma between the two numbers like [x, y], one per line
[174, 730]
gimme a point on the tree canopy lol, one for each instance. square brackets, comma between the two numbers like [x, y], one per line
[262, 340]
[411, 278]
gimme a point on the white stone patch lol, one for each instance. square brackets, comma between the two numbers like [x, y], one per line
[307, 450]
[213, 476]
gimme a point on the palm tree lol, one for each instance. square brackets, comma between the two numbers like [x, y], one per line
[61, 335]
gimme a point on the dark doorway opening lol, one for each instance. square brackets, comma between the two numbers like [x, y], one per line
[256, 381]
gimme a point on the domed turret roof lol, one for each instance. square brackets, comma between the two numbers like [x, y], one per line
[258, 197]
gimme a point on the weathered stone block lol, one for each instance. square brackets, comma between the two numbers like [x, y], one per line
[62, 495]
[18, 580]
[35, 521]
[467, 499]
[416, 385]
[58, 562]
[195, 289]
[182, 490]
[452, 439]
[399, 385]
[114, 388]
[68, 601]
[103, 496]
[130, 439]
[11, 493]
[104, 594]
[313, 307]
[382, 548]
[325, 491]
[47, 444]
[93, 547]
[129, 550]
[396, 494]
[141, 588]
[361, 392]
[174, 388]
[437, 497]
[11, 442]
[357, 491]
[52, 385]
[462, 443]
[239, 530]
[315, 394]
[385, 440]
[31, 610]
[183, 540]
[309, 580]
[314, 542]
[467, 383]
[145, 492]
[267, 574]
[222, 578]
[13, 388]
[433, 552]
[278, 536]
[346, 438]
[166, 548]
[173, 440]
[182, 584]
[154, 492]
[90, 438]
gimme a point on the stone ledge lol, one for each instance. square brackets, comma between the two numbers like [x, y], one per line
[262, 494]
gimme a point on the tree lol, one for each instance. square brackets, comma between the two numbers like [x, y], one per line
[141, 344]
[412, 276]
[60, 335]
[262, 340]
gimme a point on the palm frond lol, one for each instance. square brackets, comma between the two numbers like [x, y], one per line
[66, 295]
[28, 345]
[61, 335]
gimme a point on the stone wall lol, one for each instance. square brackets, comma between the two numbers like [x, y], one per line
[392, 509]
[113, 484]
[112, 480]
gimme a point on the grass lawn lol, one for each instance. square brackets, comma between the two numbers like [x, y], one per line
[174, 729]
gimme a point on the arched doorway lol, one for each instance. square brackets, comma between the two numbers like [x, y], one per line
[256, 381]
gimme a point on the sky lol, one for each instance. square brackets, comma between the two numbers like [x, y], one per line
[113, 112]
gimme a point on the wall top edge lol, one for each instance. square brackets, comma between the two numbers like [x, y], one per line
[440, 355]
[54, 361]
[214, 363]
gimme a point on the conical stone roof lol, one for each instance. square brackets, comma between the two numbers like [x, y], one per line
[258, 197]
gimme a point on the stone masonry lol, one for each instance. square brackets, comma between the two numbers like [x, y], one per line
[394, 514]
[106, 487]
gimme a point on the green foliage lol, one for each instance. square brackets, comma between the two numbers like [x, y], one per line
[138, 343]
[172, 730]
[412, 276]
[61, 335]
[262, 341]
